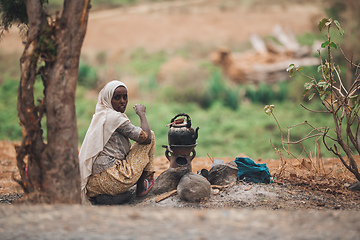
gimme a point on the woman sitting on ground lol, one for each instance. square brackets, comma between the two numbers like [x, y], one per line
[109, 165]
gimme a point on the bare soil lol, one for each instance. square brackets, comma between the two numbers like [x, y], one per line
[172, 24]
[300, 186]
[114, 222]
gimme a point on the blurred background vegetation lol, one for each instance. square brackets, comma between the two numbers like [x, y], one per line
[231, 117]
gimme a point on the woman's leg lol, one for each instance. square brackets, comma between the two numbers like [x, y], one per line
[126, 173]
[146, 179]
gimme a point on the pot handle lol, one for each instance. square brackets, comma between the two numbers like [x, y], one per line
[193, 155]
[188, 120]
[167, 154]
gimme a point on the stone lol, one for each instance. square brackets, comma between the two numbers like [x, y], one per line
[169, 179]
[194, 188]
[355, 186]
[223, 174]
[203, 172]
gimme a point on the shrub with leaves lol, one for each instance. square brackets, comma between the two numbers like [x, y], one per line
[341, 102]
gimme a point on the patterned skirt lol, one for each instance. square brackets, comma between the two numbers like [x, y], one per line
[125, 173]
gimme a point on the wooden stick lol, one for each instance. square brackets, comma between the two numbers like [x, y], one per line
[222, 187]
[212, 160]
[219, 186]
[165, 195]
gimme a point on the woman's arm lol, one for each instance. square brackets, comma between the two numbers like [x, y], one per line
[140, 111]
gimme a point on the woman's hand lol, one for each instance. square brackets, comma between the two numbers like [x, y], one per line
[139, 109]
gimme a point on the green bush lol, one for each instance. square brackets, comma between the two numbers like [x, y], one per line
[10, 128]
[219, 91]
[85, 108]
[87, 76]
[9, 122]
[267, 94]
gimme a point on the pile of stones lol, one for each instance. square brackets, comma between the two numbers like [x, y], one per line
[195, 187]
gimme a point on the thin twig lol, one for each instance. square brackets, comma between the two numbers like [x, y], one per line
[350, 62]
[305, 138]
[341, 84]
[313, 110]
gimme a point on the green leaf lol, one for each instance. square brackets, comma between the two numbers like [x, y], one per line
[305, 92]
[326, 69]
[291, 66]
[332, 44]
[311, 96]
[324, 44]
[341, 31]
[319, 68]
[337, 23]
[268, 109]
[322, 24]
[322, 84]
[309, 85]
[291, 69]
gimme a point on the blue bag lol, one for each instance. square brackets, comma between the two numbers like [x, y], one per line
[251, 172]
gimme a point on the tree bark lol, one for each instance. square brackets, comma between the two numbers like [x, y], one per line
[52, 168]
[32, 143]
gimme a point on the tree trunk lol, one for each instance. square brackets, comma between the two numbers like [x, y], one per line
[51, 172]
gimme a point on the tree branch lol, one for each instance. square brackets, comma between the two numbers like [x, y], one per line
[313, 110]
[349, 61]
[341, 84]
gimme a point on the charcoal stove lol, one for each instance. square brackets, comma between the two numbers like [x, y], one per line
[182, 142]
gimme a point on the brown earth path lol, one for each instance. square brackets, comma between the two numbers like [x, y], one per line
[172, 24]
[300, 187]
[86, 222]
[204, 23]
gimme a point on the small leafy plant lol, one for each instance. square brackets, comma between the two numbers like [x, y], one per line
[340, 102]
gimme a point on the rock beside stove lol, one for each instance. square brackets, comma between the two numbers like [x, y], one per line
[169, 180]
[194, 188]
[223, 174]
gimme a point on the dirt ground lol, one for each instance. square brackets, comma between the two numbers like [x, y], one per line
[300, 206]
[172, 24]
[244, 210]
[301, 186]
[114, 222]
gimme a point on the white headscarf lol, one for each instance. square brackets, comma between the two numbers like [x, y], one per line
[104, 122]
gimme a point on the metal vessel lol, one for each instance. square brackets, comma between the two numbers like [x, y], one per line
[182, 142]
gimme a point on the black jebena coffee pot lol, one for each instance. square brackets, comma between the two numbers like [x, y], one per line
[181, 133]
